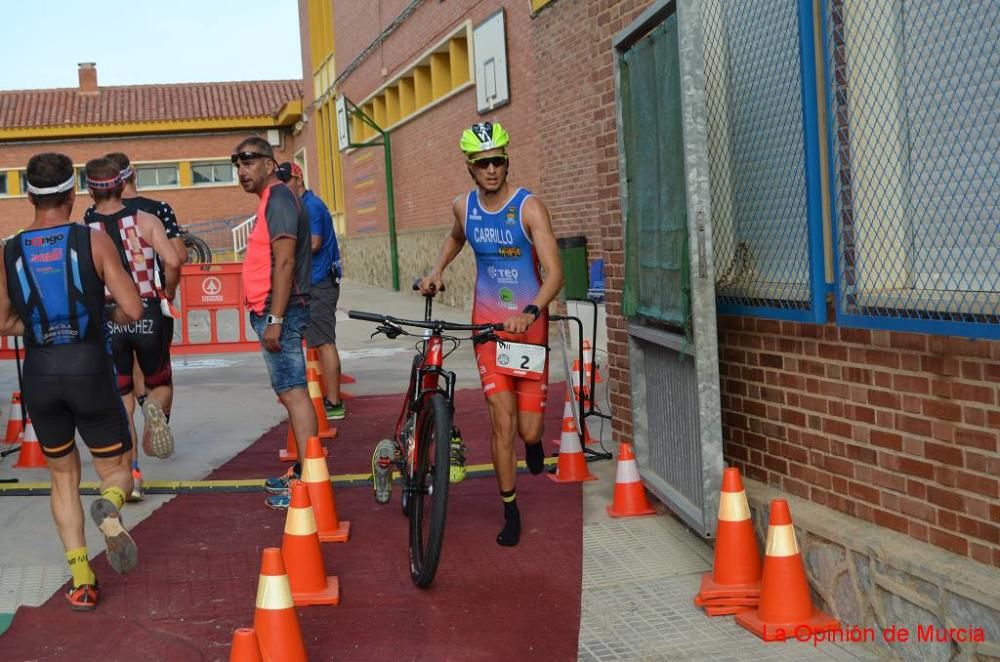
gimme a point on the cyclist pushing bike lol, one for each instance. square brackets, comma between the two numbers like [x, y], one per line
[510, 232]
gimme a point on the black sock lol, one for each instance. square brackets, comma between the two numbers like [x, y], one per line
[511, 532]
[297, 469]
[534, 457]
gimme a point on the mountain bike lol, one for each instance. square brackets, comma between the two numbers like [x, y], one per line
[424, 430]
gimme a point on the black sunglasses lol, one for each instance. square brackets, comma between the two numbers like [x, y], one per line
[247, 156]
[487, 161]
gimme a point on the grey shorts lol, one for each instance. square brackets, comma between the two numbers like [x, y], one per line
[322, 327]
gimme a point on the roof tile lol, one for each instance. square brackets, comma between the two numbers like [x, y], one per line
[26, 109]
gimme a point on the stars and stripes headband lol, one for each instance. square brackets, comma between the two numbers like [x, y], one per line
[104, 184]
[126, 172]
[49, 190]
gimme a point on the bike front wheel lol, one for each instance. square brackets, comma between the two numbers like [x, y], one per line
[429, 494]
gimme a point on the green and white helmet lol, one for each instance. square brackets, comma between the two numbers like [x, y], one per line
[483, 136]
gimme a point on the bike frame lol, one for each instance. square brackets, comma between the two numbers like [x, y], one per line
[425, 379]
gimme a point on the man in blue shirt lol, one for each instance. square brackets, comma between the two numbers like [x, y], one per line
[321, 333]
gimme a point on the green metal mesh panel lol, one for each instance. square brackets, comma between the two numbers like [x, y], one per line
[657, 283]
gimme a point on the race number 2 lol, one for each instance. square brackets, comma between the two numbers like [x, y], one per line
[521, 360]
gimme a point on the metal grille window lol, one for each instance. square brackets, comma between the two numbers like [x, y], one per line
[215, 172]
[149, 176]
[760, 72]
[914, 89]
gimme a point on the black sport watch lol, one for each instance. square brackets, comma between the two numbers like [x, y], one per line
[532, 309]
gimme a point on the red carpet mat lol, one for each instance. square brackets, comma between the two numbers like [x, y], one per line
[200, 556]
[372, 418]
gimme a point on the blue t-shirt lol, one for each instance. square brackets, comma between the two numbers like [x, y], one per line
[327, 258]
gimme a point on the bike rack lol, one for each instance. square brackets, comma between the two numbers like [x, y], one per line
[583, 414]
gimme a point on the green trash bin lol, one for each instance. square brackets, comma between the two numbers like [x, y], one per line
[573, 254]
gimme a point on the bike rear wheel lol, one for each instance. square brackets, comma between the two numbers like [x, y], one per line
[198, 251]
[429, 494]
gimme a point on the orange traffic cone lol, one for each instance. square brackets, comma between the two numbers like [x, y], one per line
[312, 363]
[30, 456]
[578, 390]
[572, 467]
[245, 648]
[290, 453]
[786, 610]
[15, 424]
[316, 476]
[569, 418]
[588, 363]
[325, 431]
[630, 496]
[346, 379]
[302, 556]
[275, 621]
[735, 577]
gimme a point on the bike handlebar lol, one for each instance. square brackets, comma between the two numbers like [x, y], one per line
[380, 318]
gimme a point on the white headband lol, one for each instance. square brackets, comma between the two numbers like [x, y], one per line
[49, 190]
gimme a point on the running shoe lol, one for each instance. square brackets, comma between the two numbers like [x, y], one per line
[382, 470]
[334, 411]
[122, 552]
[281, 483]
[161, 439]
[456, 457]
[278, 501]
[138, 492]
[83, 597]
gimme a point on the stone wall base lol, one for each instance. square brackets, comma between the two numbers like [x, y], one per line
[873, 577]
[870, 576]
[366, 259]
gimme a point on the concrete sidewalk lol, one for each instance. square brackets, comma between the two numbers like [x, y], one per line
[639, 575]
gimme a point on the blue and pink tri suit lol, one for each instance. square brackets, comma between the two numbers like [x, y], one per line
[507, 280]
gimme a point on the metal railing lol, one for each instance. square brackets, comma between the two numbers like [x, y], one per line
[241, 234]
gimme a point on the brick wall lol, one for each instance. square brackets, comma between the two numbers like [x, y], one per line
[428, 168]
[894, 428]
[897, 429]
[192, 204]
[574, 63]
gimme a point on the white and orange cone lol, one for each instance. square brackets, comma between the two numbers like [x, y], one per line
[275, 621]
[300, 550]
[245, 647]
[630, 496]
[588, 363]
[572, 466]
[316, 475]
[786, 609]
[734, 583]
[316, 395]
[312, 363]
[15, 424]
[30, 456]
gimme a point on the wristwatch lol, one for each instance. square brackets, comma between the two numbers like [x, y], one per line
[271, 319]
[532, 309]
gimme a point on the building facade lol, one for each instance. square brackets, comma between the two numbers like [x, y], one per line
[847, 233]
[179, 137]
